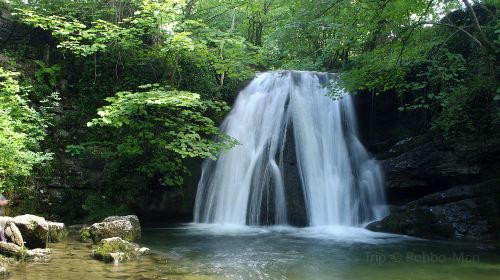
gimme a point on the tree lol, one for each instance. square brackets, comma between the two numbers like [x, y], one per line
[22, 127]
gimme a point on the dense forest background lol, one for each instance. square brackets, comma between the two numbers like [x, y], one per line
[104, 101]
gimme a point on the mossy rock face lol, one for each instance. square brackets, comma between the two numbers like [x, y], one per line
[126, 227]
[116, 250]
[57, 232]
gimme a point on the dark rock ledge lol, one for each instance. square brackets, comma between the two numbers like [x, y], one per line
[442, 192]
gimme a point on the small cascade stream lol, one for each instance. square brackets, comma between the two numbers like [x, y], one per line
[340, 184]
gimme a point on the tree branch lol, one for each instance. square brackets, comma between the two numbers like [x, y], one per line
[481, 37]
[454, 26]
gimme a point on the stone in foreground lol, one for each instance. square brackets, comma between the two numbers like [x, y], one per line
[34, 230]
[115, 250]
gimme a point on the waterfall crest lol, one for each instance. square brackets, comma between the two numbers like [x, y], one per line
[339, 181]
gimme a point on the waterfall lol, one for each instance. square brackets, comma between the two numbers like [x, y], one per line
[340, 184]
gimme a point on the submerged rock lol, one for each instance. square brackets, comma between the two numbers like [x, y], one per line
[125, 227]
[143, 251]
[57, 232]
[34, 230]
[38, 255]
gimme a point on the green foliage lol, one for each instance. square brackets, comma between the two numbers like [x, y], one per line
[201, 52]
[99, 207]
[159, 128]
[75, 36]
[46, 74]
[84, 234]
[435, 69]
[22, 128]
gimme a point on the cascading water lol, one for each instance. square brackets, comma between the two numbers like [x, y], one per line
[340, 183]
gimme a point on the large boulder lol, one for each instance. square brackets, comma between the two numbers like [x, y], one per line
[117, 250]
[125, 227]
[34, 230]
[57, 232]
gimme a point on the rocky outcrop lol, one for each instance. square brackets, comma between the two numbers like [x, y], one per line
[422, 165]
[117, 250]
[125, 227]
[469, 212]
[442, 191]
[34, 230]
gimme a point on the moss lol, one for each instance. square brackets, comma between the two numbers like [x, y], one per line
[84, 234]
[104, 250]
[57, 235]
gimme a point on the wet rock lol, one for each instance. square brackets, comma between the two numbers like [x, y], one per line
[34, 230]
[294, 193]
[13, 234]
[125, 227]
[115, 250]
[57, 232]
[143, 251]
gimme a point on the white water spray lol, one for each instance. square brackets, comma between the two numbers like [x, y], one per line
[341, 184]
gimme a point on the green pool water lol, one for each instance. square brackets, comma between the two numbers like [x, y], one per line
[227, 252]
